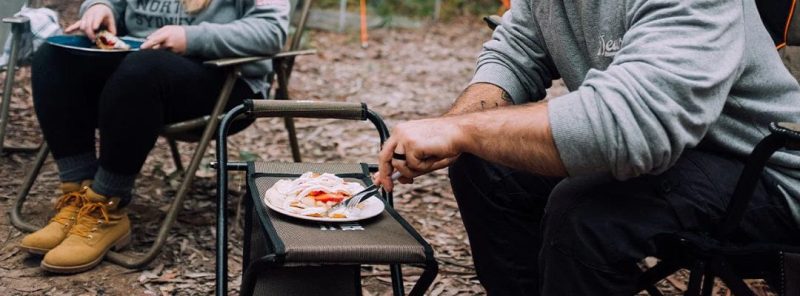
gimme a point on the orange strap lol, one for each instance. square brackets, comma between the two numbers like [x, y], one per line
[788, 25]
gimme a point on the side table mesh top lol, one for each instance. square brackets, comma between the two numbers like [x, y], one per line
[378, 240]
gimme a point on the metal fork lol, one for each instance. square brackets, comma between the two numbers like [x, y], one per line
[366, 193]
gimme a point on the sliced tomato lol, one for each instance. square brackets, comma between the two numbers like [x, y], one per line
[326, 197]
[315, 193]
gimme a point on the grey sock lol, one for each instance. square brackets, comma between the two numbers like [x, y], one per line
[77, 168]
[114, 185]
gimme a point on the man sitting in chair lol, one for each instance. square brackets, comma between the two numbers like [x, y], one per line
[563, 197]
[129, 98]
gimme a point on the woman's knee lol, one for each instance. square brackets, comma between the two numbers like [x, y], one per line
[144, 65]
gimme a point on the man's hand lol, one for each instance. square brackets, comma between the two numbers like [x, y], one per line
[96, 17]
[172, 38]
[428, 145]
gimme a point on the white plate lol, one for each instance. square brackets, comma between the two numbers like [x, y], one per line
[371, 208]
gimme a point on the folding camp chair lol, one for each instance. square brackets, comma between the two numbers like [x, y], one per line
[187, 131]
[289, 256]
[713, 255]
[15, 26]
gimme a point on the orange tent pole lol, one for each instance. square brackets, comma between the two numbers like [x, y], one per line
[506, 6]
[364, 36]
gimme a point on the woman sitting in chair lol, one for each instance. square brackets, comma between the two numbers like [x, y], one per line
[129, 98]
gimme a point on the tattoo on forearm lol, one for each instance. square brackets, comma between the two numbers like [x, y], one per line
[478, 97]
[506, 97]
[483, 104]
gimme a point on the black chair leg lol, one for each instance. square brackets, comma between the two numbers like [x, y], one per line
[653, 291]
[655, 275]
[708, 281]
[426, 279]
[397, 280]
[695, 278]
[176, 154]
[735, 283]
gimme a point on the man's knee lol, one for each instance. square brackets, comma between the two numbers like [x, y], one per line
[465, 169]
[604, 224]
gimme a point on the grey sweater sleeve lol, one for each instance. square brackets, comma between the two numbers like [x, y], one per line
[117, 7]
[515, 59]
[261, 31]
[663, 90]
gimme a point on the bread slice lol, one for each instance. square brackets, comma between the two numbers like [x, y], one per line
[107, 40]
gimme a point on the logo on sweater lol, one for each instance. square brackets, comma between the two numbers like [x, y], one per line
[609, 48]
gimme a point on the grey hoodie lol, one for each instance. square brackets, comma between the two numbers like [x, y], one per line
[648, 79]
[215, 32]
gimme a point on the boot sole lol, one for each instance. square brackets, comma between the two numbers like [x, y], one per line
[121, 243]
[33, 250]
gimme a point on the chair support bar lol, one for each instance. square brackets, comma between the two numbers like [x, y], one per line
[16, 212]
[749, 178]
[244, 60]
[222, 183]
[18, 26]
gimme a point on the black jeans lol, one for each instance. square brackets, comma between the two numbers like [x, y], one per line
[594, 230]
[129, 98]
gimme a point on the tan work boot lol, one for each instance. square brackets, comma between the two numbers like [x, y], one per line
[67, 206]
[101, 225]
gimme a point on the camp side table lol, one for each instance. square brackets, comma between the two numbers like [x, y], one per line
[284, 255]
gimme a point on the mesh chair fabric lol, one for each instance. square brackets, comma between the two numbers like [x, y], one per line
[378, 240]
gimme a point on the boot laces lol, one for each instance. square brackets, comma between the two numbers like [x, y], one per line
[90, 215]
[71, 199]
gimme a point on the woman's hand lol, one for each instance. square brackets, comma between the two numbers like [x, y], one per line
[97, 16]
[172, 38]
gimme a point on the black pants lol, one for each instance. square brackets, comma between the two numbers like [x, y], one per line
[594, 230]
[129, 98]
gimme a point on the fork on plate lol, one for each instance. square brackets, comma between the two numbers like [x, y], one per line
[365, 194]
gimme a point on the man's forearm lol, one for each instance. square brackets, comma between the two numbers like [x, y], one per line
[518, 137]
[480, 97]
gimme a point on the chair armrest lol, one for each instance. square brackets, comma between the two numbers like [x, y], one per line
[784, 135]
[226, 62]
[19, 24]
[307, 109]
[493, 21]
[790, 130]
[16, 20]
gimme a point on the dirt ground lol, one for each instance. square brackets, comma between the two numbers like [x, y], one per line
[404, 74]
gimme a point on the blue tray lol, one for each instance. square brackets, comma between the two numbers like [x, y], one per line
[83, 44]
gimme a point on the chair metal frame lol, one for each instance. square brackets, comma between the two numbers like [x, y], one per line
[305, 109]
[19, 25]
[713, 255]
[282, 63]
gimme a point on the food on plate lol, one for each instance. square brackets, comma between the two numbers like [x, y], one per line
[314, 195]
[109, 41]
